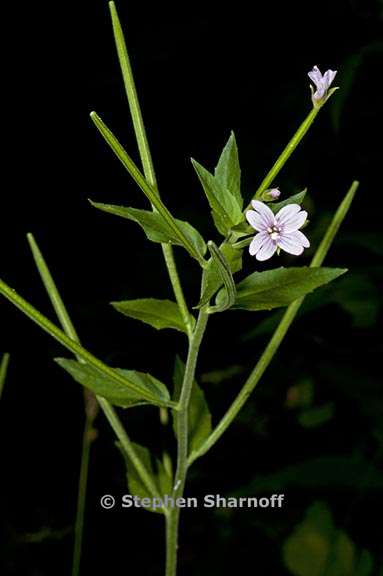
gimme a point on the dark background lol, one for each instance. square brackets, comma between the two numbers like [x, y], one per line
[201, 69]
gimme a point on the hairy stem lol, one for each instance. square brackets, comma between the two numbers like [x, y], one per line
[279, 333]
[182, 422]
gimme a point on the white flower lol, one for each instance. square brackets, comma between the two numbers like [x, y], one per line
[320, 93]
[276, 231]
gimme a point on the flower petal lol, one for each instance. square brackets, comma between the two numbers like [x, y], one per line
[329, 76]
[289, 244]
[256, 220]
[287, 212]
[315, 75]
[265, 212]
[300, 238]
[257, 242]
[267, 250]
[295, 222]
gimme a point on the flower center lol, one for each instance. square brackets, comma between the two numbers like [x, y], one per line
[274, 232]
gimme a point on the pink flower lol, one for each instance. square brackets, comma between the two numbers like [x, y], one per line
[322, 84]
[276, 231]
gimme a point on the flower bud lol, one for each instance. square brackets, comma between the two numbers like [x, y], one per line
[271, 194]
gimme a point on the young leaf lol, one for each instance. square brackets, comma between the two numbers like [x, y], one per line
[295, 199]
[199, 414]
[158, 313]
[155, 227]
[212, 279]
[279, 287]
[228, 171]
[117, 394]
[226, 210]
[158, 473]
[224, 271]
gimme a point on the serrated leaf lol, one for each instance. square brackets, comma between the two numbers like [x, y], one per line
[226, 210]
[228, 171]
[155, 227]
[295, 199]
[117, 394]
[280, 287]
[158, 313]
[157, 472]
[200, 425]
[211, 279]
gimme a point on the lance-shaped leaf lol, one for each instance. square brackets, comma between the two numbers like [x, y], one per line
[147, 189]
[76, 348]
[158, 313]
[155, 227]
[117, 394]
[156, 470]
[228, 171]
[224, 271]
[295, 199]
[225, 208]
[199, 420]
[279, 287]
[212, 279]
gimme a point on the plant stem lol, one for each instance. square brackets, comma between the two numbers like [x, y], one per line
[182, 422]
[286, 153]
[81, 498]
[279, 333]
[3, 371]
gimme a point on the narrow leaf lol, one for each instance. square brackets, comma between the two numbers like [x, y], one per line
[280, 287]
[147, 189]
[226, 210]
[155, 227]
[228, 171]
[158, 313]
[224, 271]
[117, 394]
[200, 425]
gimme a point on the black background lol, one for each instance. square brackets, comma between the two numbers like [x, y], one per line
[201, 70]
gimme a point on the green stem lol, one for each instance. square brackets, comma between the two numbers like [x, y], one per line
[81, 497]
[286, 153]
[182, 422]
[3, 371]
[279, 333]
[73, 346]
[127, 445]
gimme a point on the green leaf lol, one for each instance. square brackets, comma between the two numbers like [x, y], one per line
[158, 313]
[200, 425]
[224, 271]
[212, 279]
[313, 417]
[226, 210]
[117, 394]
[280, 287]
[3, 371]
[295, 199]
[150, 192]
[318, 548]
[155, 227]
[228, 171]
[157, 472]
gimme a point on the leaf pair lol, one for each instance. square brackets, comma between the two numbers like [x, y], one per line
[223, 188]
